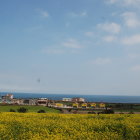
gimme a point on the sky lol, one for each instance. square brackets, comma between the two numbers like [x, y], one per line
[70, 46]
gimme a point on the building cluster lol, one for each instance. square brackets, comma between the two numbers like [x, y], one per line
[89, 105]
[77, 105]
[72, 102]
[73, 99]
[8, 99]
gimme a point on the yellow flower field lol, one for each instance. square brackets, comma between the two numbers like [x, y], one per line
[34, 126]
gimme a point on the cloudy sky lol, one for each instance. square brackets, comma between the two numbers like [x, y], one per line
[70, 46]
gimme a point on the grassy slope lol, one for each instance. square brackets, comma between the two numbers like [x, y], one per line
[30, 108]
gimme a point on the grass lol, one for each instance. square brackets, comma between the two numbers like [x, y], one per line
[7, 108]
[126, 110]
[136, 109]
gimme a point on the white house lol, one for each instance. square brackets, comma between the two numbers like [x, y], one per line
[67, 99]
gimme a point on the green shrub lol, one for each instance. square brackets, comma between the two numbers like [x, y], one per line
[22, 110]
[131, 112]
[91, 112]
[12, 110]
[108, 111]
[41, 111]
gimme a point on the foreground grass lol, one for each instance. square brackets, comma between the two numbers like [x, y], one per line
[34, 126]
[30, 108]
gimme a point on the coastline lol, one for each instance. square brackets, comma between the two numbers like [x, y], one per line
[89, 98]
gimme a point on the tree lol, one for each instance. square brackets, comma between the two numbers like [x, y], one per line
[22, 110]
[12, 110]
[131, 112]
[91, 112]
[108, 111]
[41, 111]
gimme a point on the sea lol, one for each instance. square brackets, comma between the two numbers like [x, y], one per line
[88, 98]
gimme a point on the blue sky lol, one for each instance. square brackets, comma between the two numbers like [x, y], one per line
[72, 46]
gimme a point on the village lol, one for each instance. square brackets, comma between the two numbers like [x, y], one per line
[65, 103]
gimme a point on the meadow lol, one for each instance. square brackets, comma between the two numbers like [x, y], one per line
[47, 126]
[6, 108]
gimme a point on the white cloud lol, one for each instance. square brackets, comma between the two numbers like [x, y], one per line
[109, 38]
[124, 2]
[69, 46]
[82, 14]
[132, 40]
[110, 27]
[53, 51]
[101, 61]
[132, 2]
[72, 43]
[131, 19]
[33, 28]
[136, 68]
[89, 34]
[67, 24]
[112, 1]
[43, 13]
[134, 56]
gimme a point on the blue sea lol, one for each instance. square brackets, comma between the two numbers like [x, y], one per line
[89, 98]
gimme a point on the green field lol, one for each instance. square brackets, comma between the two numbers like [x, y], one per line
[124, 107]
[127, 110]
[7, 108]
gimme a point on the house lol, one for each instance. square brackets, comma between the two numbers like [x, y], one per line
[59, 105]
[67, 99]
[8, 97]
[102, 105]
[29, 101]
[84, 105]
[93, 105]
[42, 101]
[75, 105]
[18, 101]
[78, 100]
